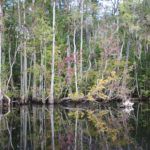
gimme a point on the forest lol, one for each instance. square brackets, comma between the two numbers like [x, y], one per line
[75, 74]
[86, 49]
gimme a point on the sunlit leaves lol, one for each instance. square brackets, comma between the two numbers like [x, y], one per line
[76, 96]
[98, 90]
[42, 30]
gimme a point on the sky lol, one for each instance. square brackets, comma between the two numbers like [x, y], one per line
[104, 6]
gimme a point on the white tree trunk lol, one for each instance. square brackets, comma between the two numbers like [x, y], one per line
[34, 76]
[21, 56]
[68, 64]
[42, 91]
[1, 26]
[75, 60]
[34, 89]
[81, 40]
[25, 60]
[44, 72]
[51, 98]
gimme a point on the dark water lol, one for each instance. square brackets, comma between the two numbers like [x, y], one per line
[46, 128]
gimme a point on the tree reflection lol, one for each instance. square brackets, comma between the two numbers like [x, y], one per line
[71, 128]
[4, 126]
[23, 127]
[51, 110]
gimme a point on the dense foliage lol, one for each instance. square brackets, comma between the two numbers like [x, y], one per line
[100, 52]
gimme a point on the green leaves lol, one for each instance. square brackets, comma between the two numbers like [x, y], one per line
[42, 30]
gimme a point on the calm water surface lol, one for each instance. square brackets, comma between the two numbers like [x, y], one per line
[96, 128]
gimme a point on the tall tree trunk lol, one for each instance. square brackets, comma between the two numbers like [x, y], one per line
[75, 59]
[68, 64]
[1, 27]
[44, 67]
[21, 56]
[34, 77]
[51, 98]
[30, 74]
[81, 41]
[124, 82]
[41, 72]
[12, 63]
[25, 59]
[34, 88]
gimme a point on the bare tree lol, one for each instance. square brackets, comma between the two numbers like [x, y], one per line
[25, 59]
[81, 40]
[75, 58]
[51, 98]
[1, 26]
[68, 64]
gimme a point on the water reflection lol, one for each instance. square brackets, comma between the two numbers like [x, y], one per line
[35, 127]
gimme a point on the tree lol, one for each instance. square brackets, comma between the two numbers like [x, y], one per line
[94, 39]
[1, 29]
[51, 98]
[81, 40]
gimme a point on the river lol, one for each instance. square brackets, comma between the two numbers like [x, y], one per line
[36, 127]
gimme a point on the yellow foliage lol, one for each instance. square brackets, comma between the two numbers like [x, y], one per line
[102, 85]
[90, 97]
[76, 96]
